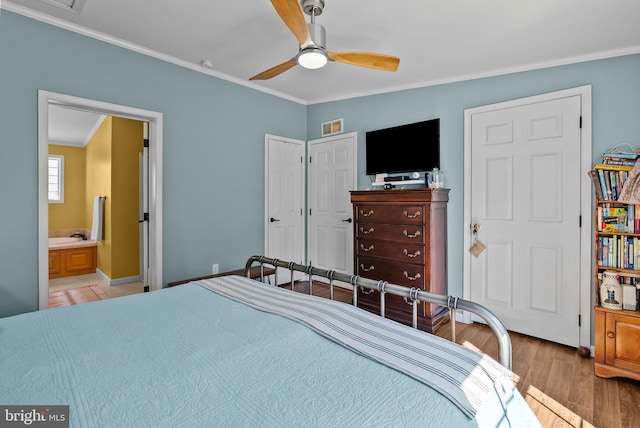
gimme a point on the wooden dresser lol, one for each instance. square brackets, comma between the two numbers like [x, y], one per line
[400, 236]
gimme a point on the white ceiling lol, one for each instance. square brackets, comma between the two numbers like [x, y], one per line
[437, 40]
[71, 127]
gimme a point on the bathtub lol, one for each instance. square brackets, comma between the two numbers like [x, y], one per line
[53, 242]
[69, 256]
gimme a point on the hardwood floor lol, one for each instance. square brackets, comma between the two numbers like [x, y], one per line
[559, 385]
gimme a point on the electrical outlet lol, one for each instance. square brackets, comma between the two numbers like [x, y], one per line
[214, 268]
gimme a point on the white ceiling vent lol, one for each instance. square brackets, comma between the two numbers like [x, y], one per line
[70, 5]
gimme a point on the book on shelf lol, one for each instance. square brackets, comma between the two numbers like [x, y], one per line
[620, 252]
[603, 185]
[607, 183]
[618, 161]
[620, 155]
[593, 174]
[611, 167]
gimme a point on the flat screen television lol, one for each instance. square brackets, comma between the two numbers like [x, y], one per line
[414, 147]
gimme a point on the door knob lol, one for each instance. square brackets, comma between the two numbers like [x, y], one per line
[273, 219]
[348, 220]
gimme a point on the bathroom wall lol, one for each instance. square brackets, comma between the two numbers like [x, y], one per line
[70, 214]
[126, 145]
[98, 156]
[112, 159]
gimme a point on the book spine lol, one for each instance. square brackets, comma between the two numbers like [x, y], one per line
[614, 185]
[608, 167]
[622, 162]
[593, 174]
[621, 155]
[603, 185]
[607, 182]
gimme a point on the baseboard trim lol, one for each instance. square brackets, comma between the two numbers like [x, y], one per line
[118, 281]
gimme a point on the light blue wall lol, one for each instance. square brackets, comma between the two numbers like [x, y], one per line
[214, 140]
[213, 149]
[616, 119]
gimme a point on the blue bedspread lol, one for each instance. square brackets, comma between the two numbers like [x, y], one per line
[187, 357]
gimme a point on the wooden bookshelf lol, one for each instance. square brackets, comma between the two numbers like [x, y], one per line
[617, 331]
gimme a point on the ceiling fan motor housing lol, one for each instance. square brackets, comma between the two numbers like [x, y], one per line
[313, 7]
[317, 34]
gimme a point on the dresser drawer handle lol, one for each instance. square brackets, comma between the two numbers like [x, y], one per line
[366, 232]
[366, 250]
[610, 335]
[416, 254]
[364, 214]
[411, 278]
[364, 269]
[406, 214]
[411, 235]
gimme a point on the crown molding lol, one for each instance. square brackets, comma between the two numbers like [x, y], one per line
[56, 22]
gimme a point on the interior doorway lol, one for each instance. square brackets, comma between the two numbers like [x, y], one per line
[527, 200]
[284, 201]
[153, 222]
[331, 176]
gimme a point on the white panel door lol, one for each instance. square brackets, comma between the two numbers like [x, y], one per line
[332, 175]
[284, 222]
[525, 195]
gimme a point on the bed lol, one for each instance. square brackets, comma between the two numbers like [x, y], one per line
[232, 351]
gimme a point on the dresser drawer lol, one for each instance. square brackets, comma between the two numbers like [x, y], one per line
[408, 253]
[411, 214]
[409, 233]
[410, 275]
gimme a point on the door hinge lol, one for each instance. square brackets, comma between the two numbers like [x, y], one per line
[301, 212]
[580, 122]
[309, 211]
[579, 320]
[309, 159]
[580, 221]
[145, 143]
[145, 217]
[301, 159]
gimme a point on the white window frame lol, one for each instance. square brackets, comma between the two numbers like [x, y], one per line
[60, 159]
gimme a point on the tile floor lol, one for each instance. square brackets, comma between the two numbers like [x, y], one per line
[93, 278]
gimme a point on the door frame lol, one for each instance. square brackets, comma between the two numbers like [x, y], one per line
[45, 98]
[586, 194]
[354, 136]
[303, 191]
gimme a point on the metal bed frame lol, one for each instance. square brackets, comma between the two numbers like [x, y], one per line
[412, 296]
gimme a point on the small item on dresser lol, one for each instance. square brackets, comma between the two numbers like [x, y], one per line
[435, 179]
[629, 297]
[610, 291]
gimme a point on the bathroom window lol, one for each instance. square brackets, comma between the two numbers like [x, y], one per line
[55, 181]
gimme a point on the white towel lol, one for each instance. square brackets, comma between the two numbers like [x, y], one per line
[96, 227]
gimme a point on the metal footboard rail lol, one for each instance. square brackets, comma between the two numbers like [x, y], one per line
[411, 295]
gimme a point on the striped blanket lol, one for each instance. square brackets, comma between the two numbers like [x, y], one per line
[464, 376]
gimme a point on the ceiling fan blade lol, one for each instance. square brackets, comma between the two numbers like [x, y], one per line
[274, 71]
[366, 59]
[291, 13]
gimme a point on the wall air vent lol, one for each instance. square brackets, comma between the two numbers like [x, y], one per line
[70, 5]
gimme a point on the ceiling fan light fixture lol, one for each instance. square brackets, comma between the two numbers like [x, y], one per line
[312, 58]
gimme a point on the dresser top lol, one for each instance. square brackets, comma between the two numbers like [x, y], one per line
[422, 194]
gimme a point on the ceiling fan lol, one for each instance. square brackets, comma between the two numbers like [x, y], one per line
[311, 38]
